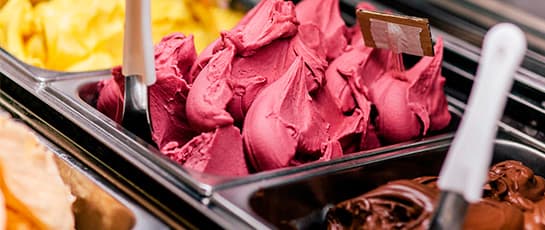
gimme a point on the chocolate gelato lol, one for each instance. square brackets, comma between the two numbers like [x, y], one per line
[513, 199]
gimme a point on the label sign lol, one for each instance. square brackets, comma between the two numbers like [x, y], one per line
[401, 34]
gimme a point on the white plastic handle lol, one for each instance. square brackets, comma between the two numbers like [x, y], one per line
[138, 56]
[466, 166]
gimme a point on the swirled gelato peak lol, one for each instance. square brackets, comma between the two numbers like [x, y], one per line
[325, 15]
[514, 182]
[410, 103]
[283, 127]
[402, 204]
[261, 50]
[236, 64]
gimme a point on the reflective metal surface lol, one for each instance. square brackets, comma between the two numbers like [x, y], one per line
[136, 116]
[98, 205]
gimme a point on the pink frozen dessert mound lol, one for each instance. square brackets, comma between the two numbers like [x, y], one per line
[410, 103]
[217, 152]
[250, 57]
[325, 15]
[290, 84]
[404, 105]
[284, 128]
[174, 56]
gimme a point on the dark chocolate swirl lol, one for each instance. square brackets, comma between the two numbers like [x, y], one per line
[515, 183]
[512, 199]
[402, 204]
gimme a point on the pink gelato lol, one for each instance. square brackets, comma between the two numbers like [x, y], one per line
[288, 85]
[236, 62]
[277, 41]
[262, 7]
[411, 103]
[174, 56]
[325, 15]
[218, 152]
[344, 79]
[407, 104]
[284, 128]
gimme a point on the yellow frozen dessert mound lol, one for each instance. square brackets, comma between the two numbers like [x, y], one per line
[78, 35]
[34, 195]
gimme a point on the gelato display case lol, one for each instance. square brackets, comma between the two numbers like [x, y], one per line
[150, 189]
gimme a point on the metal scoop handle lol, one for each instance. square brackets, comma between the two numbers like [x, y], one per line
[138, 68]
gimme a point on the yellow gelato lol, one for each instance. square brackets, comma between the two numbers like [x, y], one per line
[78, 35]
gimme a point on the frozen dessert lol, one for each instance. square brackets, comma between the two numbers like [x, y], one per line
[400, 204]
[211, 151]
[407, 103]
[173, 56]
[33, 195]
[77, 35]
[294, 81]
[171, 132]
[284, 128]
[512, 199]
[219, 152]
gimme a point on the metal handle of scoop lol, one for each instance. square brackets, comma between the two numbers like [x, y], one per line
[451, 212]
[138, 68]
[136, 116]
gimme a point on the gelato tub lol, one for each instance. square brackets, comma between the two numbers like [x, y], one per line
[98, 204]
[297, 201]
[80, 92]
